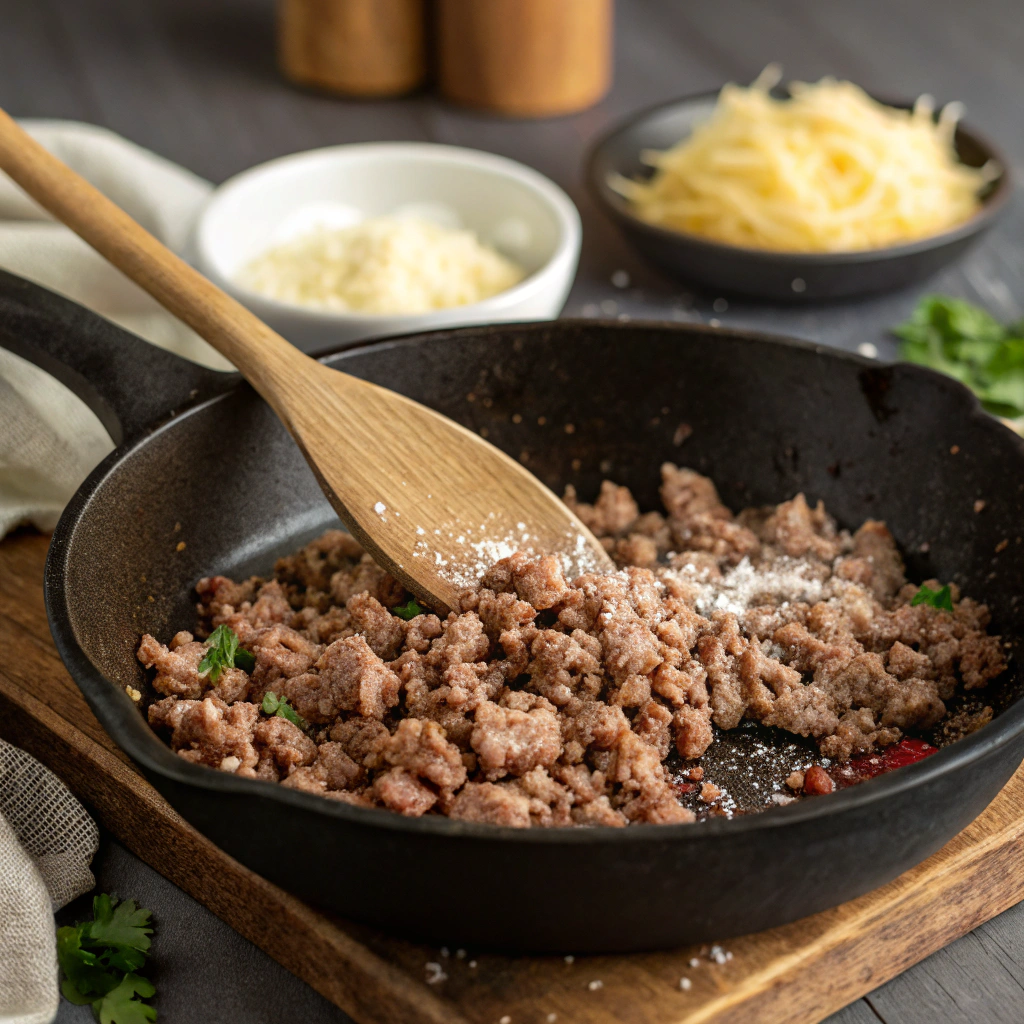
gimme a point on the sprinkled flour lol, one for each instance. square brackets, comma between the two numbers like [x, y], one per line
[744, 586]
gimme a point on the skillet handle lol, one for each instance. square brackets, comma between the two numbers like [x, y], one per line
[128, 383]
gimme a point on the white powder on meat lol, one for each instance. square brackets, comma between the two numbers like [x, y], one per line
[743, 586]
[474, 557]
[383, 265]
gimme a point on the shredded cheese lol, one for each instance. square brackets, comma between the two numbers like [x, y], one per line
[827, 170]
[383, 265]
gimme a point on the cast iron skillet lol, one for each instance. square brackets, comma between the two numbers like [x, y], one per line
[769, 418]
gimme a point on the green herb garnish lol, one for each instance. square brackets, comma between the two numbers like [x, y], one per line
[408, 611]
[245, 660]
[274, 705]
[936, 598]
[963, 341]
[100, 960]
[222, 651]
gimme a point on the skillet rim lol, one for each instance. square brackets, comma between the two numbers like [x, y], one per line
[132, 733]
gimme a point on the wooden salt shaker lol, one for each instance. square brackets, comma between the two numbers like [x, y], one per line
[354, 47]
[527, 58]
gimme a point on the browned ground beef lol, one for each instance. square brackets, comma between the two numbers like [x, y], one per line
[548, 702]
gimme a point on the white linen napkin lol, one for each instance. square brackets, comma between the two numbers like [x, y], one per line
[47, 842]
[49, 440]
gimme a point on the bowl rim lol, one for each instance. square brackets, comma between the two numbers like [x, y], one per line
[992, 204]
[569, 230]
[132, 733]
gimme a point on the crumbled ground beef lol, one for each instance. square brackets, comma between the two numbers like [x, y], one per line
[542, 701]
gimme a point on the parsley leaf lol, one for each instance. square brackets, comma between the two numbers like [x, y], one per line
[274, 705]
[936, 598]
[100, 958]
[85, 976]
[245, 660]
[125, 958]
[72, 995]
[408, 611]
[119, 924]
[222, 651]
[121, 1005]
[965, 342]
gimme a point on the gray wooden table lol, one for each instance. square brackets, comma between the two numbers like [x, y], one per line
[195, 81]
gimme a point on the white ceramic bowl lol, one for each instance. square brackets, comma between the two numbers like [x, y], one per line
[518, 211]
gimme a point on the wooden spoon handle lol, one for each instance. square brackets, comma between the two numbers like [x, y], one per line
[227, 325]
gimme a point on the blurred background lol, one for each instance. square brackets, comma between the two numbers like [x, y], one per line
[198, 81]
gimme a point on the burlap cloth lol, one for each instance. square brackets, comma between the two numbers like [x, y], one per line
[47, 842]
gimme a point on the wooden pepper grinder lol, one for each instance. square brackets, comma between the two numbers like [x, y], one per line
[354, 47]
[527, 58]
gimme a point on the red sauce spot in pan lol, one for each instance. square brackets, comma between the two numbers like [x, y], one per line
[860, 769]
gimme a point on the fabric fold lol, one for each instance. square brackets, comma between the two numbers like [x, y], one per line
[47, 842]
[49, 440]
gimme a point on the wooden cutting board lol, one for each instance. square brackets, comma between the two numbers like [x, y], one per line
[797, 974]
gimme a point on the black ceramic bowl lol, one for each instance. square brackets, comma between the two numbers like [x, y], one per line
[762, 273]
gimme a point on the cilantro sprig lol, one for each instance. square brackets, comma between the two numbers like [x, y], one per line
[941, 598]
[274, 705]
[222, 651]
[965, 342]
[100, 960]
[409, 610]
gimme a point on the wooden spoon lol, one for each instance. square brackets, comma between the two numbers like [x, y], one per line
[431, 501]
